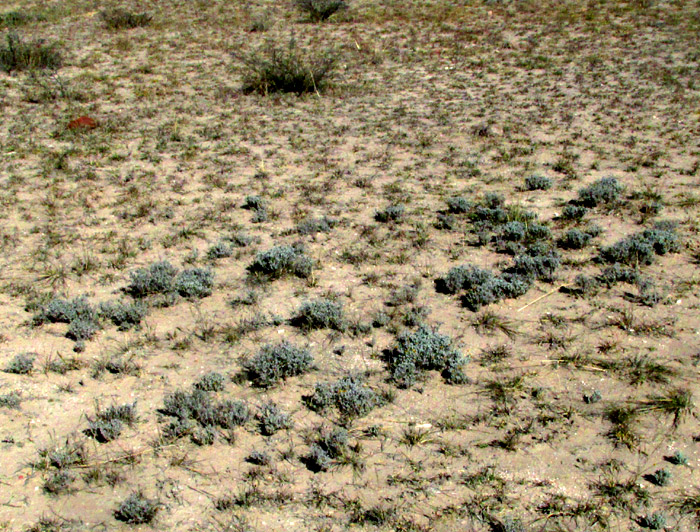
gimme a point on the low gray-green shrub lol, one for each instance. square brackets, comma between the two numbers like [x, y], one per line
[573, 212]
[137, 509]
[194, 283]
[210, 382]
[330, 445]
[82, 329]
[280, 261]
[320, 314]
[538, 182]
[58, 482]
[124, 315]
[21, 364]
[220, 250]
[276, 362]
[156, 279]
[392, 213]
[424, 350]
[349, 395]
[536, 263]
[107, 424]
[118, 19]
[311, 226]
[65, 311]
[640, 249]
[459, 205]
[10, 400]
[481, 287]
[604, 191]
[271, 419]
[198, 406]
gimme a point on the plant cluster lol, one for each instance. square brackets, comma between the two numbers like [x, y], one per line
[210, 382]
[481, 287]
[392, 213]
[577, 238]
[311, 226]
[198, 415]
[538, 182]
[425, 350]
[320, 10]
[123, 315]
[137, 509]
[349, 395]
[259, 206]
[10, 400]
[538, 262]
[280, 261]
[276, 68]
[329, 446]
[18, 55]
[271, 419]
[163, 278]
[107, 424]
[605, 191]
[119, 19]
[641, 248]
[319, 314]
[276, 362]
[21, 364]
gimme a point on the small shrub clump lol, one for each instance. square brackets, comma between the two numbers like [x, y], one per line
[194, 283]
[10, 400]
[220, 250]
[425, 350]
[574, 239]
[21, 364]
[210, 382]
[82, 329]
[320, 314]
[393, 213]
[124, 315]
[459, 205]
[280, 261]
[604, 191]
[197, 407]
[655, 521]
[17, 55]
[481, 287]
[271, 419]
[312, 226]
[136, 509]
[78, 313]
[118, 19]
[320, 10]
[277, 68]
[536, 263]
[259, 206]
[276, 362]
[349, 396]
[66, 311]
[329, 446]
[107, 424]
[641, 248]
[156, 279]
[538, 182]
[573, 212]
[17, 18]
